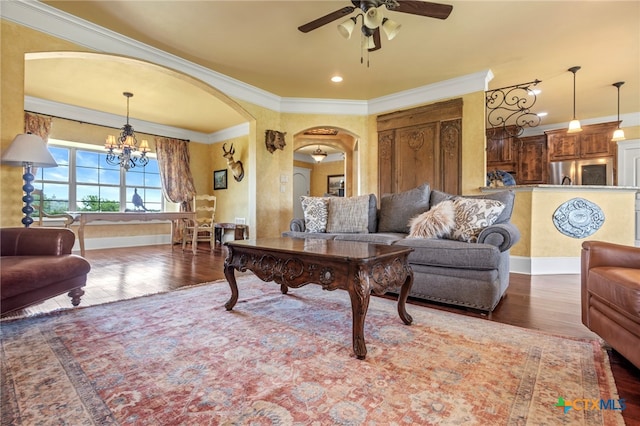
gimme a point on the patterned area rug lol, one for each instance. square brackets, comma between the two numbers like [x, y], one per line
[180, 358]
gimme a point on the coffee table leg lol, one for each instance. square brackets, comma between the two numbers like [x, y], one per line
[402, 299]
[360, 293]
[231, 279]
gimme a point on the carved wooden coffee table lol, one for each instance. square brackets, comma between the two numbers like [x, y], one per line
[360, 268]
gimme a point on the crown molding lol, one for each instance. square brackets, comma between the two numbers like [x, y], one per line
[229, 133]
[476, 82]
[41, 17]
[100, 118]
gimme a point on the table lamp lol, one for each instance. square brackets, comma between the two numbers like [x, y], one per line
[28, 150]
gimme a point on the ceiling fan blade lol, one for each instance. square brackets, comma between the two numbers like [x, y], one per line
[376, 40]
[317, 23]
[424, 8]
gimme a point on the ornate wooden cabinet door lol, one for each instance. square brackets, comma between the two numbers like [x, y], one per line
[421, 145]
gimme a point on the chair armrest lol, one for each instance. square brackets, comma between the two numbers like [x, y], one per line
[501, 235]
[297, 225]
[600, 253]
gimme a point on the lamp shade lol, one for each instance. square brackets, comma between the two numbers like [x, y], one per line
[390, 28]
[346, 28]
[618, 135]
[28, 148]
[373, 18]
[574, 126]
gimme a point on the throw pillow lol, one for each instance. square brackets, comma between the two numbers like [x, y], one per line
[396, 210]
[315, 211]
[472, 216]
[434, 223]
[350, 215]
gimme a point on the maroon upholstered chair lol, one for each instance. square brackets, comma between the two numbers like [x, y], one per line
[36, 264]
[610, 278]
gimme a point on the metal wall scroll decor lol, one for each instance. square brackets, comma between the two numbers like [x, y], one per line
[578, 218]
[509, 108]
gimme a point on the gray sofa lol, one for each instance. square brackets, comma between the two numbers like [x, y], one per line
[466, 274]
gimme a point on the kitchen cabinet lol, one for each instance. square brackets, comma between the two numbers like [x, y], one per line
[532, 165]
[501, 149]
[594, 141]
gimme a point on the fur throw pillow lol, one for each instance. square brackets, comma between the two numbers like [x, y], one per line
[434, 223]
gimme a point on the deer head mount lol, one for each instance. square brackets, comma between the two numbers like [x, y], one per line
[274, 139]
[235, 166]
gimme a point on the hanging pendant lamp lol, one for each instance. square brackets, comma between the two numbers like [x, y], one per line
[618, 135]
[574, 125]
[318, 155]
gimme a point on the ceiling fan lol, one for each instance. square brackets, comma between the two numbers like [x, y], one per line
[373, 19]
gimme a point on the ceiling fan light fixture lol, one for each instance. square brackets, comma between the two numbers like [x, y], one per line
[373, 18]
[390, 28]
[346, 28]
[318, 155]
[369, 42]
[574, 125]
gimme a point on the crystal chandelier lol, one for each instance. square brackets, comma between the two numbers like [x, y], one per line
[120, 150]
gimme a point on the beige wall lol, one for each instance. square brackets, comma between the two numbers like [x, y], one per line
[533, 215]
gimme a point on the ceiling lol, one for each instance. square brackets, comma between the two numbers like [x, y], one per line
[258, 43]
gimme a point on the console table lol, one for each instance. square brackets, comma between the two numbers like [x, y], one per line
[85, 217]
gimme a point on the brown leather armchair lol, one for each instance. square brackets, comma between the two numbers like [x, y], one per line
[36, 264]
[610, 278]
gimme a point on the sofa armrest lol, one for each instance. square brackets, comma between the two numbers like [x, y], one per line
[297, 225]
[501, 235]
[36, 241]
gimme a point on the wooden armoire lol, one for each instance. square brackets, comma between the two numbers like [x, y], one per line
[421, 145]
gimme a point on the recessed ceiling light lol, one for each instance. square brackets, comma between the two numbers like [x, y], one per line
[542, 114]
[535, 92]
[336, 79]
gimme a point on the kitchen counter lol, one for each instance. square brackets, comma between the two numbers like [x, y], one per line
[554, 220]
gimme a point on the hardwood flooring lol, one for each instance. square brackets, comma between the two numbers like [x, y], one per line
[549, 303]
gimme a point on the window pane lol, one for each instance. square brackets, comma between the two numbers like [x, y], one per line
[55, 198]
[135, 179]
[98, 198]
[110, 177]
[152, 167]
[86, 175]
[152, 180]
[87, 159]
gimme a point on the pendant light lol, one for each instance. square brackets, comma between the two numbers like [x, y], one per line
[618, 135]
[574, 125]
[318, 155]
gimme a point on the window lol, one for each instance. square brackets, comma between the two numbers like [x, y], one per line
[83, 181]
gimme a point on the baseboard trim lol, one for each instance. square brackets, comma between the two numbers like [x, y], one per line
[117, 242]
[544, 265]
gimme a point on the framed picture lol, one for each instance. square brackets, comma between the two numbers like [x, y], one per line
[335, 185]
[220, 179]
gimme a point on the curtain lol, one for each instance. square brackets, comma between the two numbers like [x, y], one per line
[175, 174]
[38, 125]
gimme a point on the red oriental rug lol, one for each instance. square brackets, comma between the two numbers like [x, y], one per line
[180, 358]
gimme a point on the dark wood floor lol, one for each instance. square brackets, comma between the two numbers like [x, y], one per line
[549, 303]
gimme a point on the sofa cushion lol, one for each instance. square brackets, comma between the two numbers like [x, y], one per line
[315, 213]
[506, 197]
[434, 223]
[396, 210]
[617, 286]
[451, 254]
[22, 274]
[472, 216]
[350, 214]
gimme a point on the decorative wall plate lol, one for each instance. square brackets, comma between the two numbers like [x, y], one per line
[578, 218]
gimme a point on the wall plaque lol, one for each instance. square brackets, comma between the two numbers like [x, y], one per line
[578, 218]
